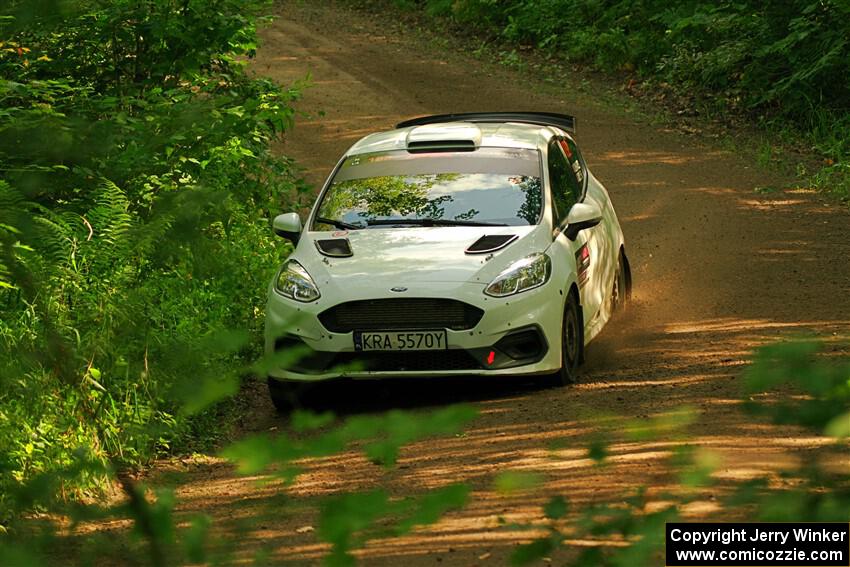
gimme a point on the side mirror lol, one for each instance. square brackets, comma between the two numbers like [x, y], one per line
[288, 226]
[582, 216]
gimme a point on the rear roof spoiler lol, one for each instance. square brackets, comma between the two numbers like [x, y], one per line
[563, 121]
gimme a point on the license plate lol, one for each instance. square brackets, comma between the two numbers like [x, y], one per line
[400, 340]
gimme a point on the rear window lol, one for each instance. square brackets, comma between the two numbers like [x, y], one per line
[490, 185]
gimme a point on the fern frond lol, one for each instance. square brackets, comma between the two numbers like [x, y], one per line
[10, 198]
[52, 234]
[111, 220]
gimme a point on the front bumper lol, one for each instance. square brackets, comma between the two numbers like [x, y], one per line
[522, 332]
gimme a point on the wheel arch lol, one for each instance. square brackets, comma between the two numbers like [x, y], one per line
[573, 291]
[628, 269]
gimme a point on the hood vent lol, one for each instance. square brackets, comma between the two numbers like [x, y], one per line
[490, 243]
[448, 137]
[441, 146]
[335, 247]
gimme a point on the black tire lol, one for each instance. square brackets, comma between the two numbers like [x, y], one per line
[284, 395]
[572, 344]
[622, 290]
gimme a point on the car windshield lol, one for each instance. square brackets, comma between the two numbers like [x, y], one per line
[489, 186]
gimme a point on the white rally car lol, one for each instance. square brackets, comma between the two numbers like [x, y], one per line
[462, 244]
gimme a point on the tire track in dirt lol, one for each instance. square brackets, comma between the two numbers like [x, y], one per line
[718, 269]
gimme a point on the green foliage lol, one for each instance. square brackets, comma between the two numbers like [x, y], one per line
[835, 178]
[135, 180]
[784, 65]
[790, 56]
[819, 493]
[510, 482]
[533, 551]
[135, 183]
[556, 508]
[384, 434]
[349, 520]
[346, 521]
[825, 384]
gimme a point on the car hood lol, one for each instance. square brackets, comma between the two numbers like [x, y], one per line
[390, 257]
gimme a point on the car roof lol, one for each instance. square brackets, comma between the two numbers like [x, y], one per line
[484, 134]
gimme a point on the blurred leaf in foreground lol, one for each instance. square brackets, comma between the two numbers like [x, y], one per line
[820, 386]
[349, 520]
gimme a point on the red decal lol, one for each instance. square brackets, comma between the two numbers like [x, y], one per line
[566, 147]
[340, 233]
[582, 264]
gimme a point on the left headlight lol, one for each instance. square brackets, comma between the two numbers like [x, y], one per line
[294, 282]
[528, 273]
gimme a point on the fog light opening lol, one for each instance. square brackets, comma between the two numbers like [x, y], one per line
[526, 344]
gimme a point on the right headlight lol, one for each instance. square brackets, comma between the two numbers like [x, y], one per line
[528, 273]
[294, 282]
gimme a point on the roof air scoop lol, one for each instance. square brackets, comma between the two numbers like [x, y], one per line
[447, 137]
[335, 247]
[490, 243]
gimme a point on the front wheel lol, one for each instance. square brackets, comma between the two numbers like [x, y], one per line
[621, 293]
[284, 395]
[572, 344]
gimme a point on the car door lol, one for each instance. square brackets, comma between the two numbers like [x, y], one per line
[568, 181]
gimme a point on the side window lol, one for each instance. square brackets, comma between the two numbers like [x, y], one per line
[576, 166]
[562, 179]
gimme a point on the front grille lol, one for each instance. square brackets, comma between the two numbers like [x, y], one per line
[410, 361]
[400, 314]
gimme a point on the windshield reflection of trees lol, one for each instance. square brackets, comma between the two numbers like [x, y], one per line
[408, 196]
[533, 204]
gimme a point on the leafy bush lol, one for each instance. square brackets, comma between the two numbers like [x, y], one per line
[784, 65]
[791, 56]
[136, 182]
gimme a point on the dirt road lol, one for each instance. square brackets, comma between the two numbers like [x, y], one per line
[718, 268]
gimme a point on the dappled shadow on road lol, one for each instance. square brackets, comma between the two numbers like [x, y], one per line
[346, 397]
[635, 374]
[719, 269]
